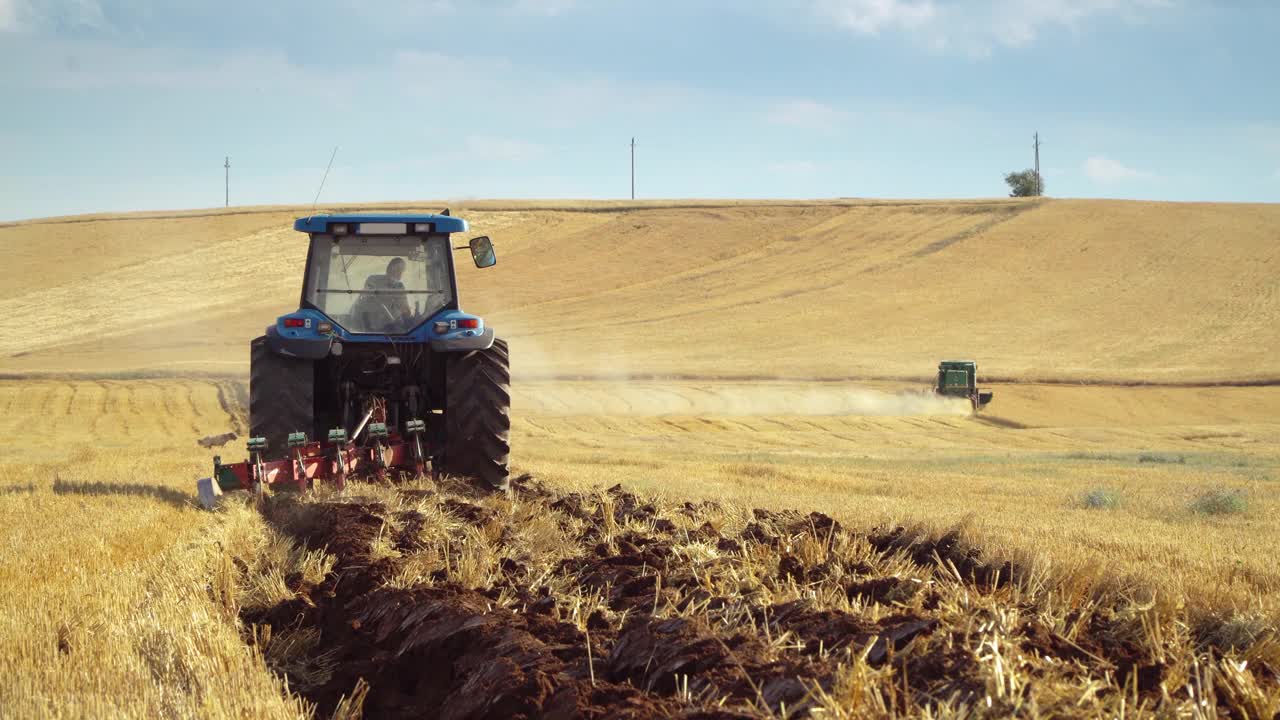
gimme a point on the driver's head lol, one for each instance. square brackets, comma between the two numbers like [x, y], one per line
[395, 269]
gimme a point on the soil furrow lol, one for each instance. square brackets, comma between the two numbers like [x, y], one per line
[557, 605]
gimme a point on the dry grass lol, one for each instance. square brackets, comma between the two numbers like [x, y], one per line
[1059, 290]
[112, 600]
[114, 592]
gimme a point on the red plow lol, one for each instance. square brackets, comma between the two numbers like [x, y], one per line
[381, 454]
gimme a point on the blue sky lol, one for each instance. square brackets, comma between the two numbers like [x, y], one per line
[122, 104]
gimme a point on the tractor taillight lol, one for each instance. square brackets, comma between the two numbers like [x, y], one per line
[469, 323]
[294, 322]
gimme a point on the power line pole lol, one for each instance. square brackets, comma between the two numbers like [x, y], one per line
[633, 168]
[227, 200]
[1039, 182]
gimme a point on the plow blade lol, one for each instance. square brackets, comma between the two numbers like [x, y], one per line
[310, 462]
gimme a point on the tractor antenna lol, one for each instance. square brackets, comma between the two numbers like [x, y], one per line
[322, 179]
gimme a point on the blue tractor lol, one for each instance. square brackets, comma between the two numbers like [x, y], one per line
[379, 367]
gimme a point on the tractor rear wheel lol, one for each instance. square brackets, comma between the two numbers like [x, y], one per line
[477, 415]
[281, 398]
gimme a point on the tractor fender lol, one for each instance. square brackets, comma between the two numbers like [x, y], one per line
[303, 348]
[483, 341]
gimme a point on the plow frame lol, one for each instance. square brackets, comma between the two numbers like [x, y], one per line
[333, 461]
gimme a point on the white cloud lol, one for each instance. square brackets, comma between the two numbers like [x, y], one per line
[29, 15]
[1105, 170]
[869, 17]
[805, 114]
[978, 26]
[11, 17]
[481, 147]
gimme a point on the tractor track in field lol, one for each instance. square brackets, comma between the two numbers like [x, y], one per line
[634, 617]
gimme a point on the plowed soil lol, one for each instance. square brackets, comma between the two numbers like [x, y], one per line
[650, 610]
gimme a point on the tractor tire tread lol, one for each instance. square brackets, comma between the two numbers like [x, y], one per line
[280, 397]
[477, 415]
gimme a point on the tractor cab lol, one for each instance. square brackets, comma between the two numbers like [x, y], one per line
[384, 275]
[379, 285]
[959, 378]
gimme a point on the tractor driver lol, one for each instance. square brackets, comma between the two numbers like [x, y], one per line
[391, 305]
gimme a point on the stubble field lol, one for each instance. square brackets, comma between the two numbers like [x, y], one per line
[756, 355]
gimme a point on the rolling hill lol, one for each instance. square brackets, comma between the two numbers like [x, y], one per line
[1053, 290]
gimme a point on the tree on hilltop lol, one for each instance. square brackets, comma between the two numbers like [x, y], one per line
[1027, 183]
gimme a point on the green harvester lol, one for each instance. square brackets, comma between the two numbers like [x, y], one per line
[959, 378]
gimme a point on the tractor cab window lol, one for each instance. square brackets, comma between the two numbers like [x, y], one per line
[379, 284]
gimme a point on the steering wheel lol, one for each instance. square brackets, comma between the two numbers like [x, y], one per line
[395, 323]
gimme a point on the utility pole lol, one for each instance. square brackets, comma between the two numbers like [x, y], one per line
[1039, 182]
[633, 168]
[227, 164]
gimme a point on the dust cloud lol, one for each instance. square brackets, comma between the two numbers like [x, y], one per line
[651, 397]
[608, 389]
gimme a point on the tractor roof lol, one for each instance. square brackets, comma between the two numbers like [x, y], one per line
[439, 223]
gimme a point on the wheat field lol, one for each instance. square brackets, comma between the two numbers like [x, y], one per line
[1060, 290]
[106, 583]
[761, 355]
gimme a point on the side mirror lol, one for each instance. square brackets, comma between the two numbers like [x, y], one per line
[482, 252]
